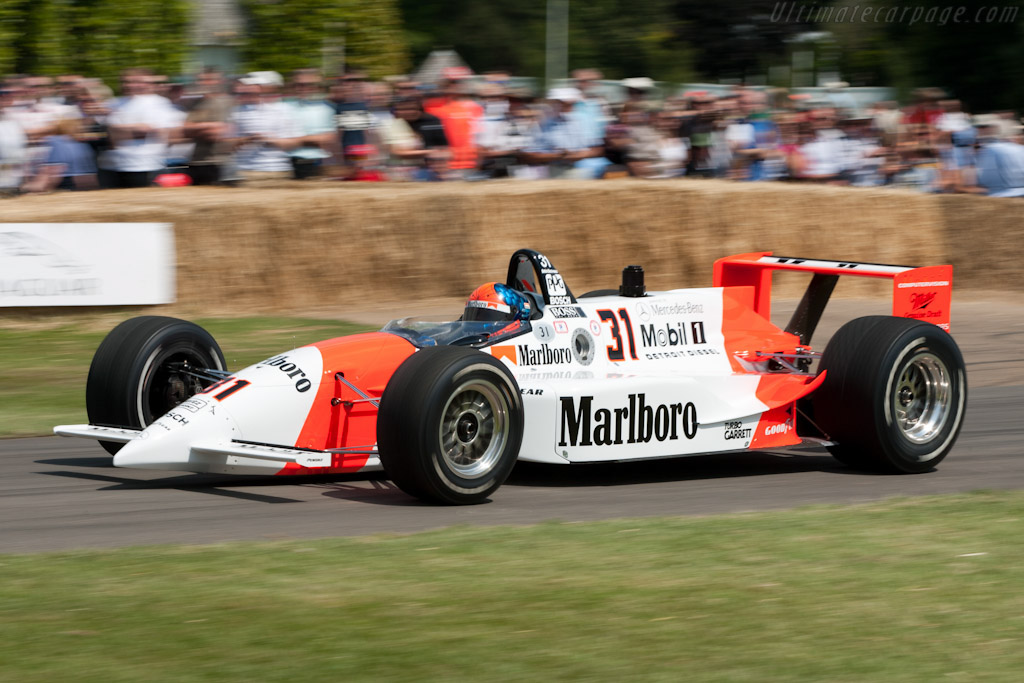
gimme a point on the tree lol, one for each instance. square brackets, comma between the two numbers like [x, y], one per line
[622, 37]
[111, 35]
[9, 19]
[739, 39]
[41, 42]
[490, 35]
[978, 58]
[293, 34]
[96, 38]
[628, 38]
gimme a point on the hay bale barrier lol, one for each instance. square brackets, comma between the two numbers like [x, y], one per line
[293, 247]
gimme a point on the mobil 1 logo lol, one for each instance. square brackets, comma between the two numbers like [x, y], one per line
[653, 335]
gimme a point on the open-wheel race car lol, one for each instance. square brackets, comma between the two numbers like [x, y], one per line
[532, 372]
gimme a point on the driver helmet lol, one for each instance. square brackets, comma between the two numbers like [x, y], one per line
[495, 301]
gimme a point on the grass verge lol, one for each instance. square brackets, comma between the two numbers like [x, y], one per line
[42, 377]
[915, 590]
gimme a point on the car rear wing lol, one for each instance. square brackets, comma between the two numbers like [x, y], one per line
[920, 293]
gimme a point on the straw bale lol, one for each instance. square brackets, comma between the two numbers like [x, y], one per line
[324, 246]
[986, 242]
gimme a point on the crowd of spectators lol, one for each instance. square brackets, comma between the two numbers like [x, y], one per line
[72, 133]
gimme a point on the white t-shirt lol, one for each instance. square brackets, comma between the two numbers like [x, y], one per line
[953, 121]
[824, 155]
[13, 152]
[136, 155]
[740, 135]
[273, 120]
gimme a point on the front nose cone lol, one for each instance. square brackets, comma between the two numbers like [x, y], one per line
[166, 444]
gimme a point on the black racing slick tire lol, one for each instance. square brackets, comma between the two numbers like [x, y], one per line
[136, 374]
[894, 395]
[450, 425]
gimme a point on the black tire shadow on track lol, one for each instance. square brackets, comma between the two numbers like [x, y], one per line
[692, 468]
[96, 463]
[188, 483]
[376, 489]
[380, 490]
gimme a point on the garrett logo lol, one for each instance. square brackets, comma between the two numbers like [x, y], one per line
[919, 301]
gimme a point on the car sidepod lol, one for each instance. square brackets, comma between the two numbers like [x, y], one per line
[671, 373]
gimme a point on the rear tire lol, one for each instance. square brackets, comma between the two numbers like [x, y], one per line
[131, 383]
[450, 425]
[895, 394]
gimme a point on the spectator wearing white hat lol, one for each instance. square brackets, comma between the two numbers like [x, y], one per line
[562, 146]
[265, 128]
[638, 89]
[838, 95]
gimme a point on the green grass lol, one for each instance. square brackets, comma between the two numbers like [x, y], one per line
[43, 371]
[915, 590]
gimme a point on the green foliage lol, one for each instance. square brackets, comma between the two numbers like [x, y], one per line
[979, 61]
[489, 34]
[41, 41]
[111, 35]
[933, 43]
[622, 37]
[739, 39]
[626, 38]
[286, 35]
[8, 32]
[93, 37]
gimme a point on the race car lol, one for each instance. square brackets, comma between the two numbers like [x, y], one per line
[534, 373]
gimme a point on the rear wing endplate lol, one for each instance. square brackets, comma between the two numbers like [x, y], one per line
[920, 293]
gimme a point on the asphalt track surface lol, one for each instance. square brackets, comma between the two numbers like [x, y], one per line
[58, 494]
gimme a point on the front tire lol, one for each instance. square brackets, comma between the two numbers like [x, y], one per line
[450, 425]
[136, 377]
[894, 395]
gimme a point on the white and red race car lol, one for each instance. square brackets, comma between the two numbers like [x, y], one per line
[544, 376]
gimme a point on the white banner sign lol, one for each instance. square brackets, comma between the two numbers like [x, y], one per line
[86, 264]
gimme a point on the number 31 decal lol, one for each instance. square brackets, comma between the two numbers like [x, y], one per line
[616, 352]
